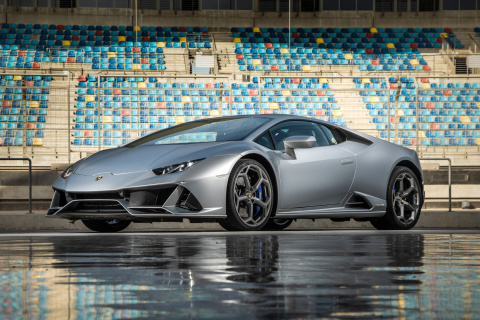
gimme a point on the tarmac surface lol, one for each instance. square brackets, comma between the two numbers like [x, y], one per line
[212, 274]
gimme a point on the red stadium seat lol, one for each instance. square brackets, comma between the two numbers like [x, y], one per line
[144, 61]
[125, 112]
[98, 33]
[375, 62]
[369, 51]
[319, 113]
[28, 83]
[296, 80]
[60, 27]
[447, 30]
[274, 68]
[71, 59]
[392, 119]
[253, 93]
[320, 93]
[447, 93]
[430, 105]
[75, 38]
[369, 35]
[22, 53]
[161, 105]
[145, 39]
[295, 35]
[424, 80]
[413, 46]
[117, 92]
[393, 86]
[239, 56]
[182, 29]
[36, 65]
[30, 125]
[439, 40]
[82, 78]
[136, 49]
[209, 85]
[426, 68]
[434, 126]
[6, 103]
[268, 45]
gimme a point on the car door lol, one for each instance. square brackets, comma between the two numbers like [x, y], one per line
[319, 176]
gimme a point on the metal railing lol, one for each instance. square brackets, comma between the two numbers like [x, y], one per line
[449, 178]
[29, 178]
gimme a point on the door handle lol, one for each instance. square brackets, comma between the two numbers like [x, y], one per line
[346, 161]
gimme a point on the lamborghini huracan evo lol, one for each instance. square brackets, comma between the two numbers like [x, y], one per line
[246, 173]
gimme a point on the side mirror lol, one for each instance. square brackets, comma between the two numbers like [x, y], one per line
[298, 142]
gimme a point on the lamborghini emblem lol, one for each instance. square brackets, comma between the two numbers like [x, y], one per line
[99, 178]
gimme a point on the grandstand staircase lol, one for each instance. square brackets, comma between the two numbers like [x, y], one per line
[438, 65]
[176, 60]
[227, 64]
[352, 107]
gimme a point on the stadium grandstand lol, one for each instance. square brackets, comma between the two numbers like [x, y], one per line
[80, 76]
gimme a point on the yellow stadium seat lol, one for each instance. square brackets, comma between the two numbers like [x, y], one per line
[112, 54]
[284, 51]
[257, 61]
[107, 119]
[136, 28]
[122, 39]
[186, 99]
[421, 134]
[136, 66]
[390, 46]
[337, 113]
[323, 80]
[478, 141]
[214, 113]
[414, 62]
[141, 85]
[465, 119]
[66, 43]
[38, 142]
[401, 113]
[306, 68]
[160, 44]
[444, 35]
[273, 105]
[366, 80]
[180, 119]
[374, 99]
[237, 40]
[256, 30]
[17, 78]
[33, 104]
[89, 98]
[319, 40]
[348, 56]
[426, 85]
[373, 30]
[183, 39]
[286, 93]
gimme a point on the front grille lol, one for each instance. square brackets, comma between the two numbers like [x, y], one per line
[94, 196]
[103, 206]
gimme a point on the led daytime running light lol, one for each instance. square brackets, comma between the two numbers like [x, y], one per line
[179, 167]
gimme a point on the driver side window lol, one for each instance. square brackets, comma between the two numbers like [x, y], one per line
[297, 128]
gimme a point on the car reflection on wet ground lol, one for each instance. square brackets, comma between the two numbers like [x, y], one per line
[218, 275]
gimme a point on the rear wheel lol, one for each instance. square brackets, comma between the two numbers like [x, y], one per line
[277, 224]
[404, 201]
[250, 197]
[106, 225]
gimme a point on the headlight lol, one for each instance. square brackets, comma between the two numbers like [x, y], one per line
[67, 172]
[179, 167]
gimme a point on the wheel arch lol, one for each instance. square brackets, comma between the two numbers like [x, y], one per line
[418, 172]
[268, 166]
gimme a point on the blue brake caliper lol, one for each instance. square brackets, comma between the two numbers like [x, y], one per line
[259, 195]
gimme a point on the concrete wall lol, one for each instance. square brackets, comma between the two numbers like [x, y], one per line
[224, 20]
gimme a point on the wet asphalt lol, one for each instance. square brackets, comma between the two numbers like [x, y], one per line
[316, 274]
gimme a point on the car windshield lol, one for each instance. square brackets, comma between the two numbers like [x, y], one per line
[209, 130]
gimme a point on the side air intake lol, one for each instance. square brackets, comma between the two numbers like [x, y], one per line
[358, 201]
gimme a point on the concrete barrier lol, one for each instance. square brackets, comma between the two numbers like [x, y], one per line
[20, 221]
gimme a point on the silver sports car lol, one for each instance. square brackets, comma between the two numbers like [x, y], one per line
[246, 173]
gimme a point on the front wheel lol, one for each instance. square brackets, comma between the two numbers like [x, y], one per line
[404, 201]
[250, 197]
[106, 225]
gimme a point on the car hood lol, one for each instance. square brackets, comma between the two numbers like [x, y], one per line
[127, 160]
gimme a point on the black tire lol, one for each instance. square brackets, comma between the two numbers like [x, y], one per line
[106, 225]
[249, 209]
[225, 225]
[277, 224]
[404, 201]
